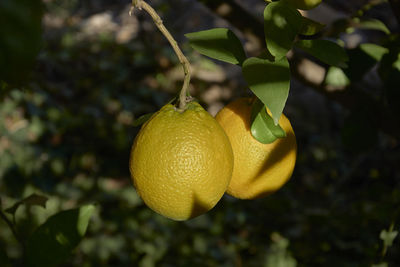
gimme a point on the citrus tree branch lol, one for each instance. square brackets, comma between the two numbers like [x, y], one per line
[140, 4]
[349, 97]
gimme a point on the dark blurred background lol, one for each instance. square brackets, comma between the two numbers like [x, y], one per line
[73, 90]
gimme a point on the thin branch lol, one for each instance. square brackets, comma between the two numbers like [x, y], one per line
[140, 4]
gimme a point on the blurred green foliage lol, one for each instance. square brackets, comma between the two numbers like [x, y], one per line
[66, 134]
[53, 241]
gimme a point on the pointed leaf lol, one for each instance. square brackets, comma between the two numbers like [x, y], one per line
[269, 81]
[53, 241]
[263, 128]
[218, 43]
[142, 119]
[326, 51]
[373, 24]
[374, 51]
[310, 27]
[32, 200]
[281, 25]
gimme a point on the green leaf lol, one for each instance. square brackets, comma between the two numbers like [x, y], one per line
[326, 51]
[53, 241]
[373, 24]
[374, 51]
[281, 25]
[32, 200]
[336, 77]
[388, 237]
[269, 81]
[142, 119]
[218, 43]
[310, 27]
[263, 128]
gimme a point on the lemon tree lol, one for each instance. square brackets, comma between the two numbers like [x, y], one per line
[72, 145]
[176, 157]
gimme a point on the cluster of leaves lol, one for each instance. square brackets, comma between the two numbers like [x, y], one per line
[268, 75]
[53, 241]
[377, 57]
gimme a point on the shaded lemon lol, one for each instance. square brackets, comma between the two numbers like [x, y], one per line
[259, 169]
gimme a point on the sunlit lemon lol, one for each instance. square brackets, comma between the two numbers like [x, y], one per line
[181, 162]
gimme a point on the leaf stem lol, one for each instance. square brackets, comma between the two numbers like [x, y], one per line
[140, 4]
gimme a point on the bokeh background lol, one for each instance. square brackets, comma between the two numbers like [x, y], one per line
[66, 128]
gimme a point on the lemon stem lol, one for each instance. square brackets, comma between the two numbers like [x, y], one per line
[140, 4]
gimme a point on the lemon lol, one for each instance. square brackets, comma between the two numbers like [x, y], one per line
[259, 169]
[304, 4]
[181, 162]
